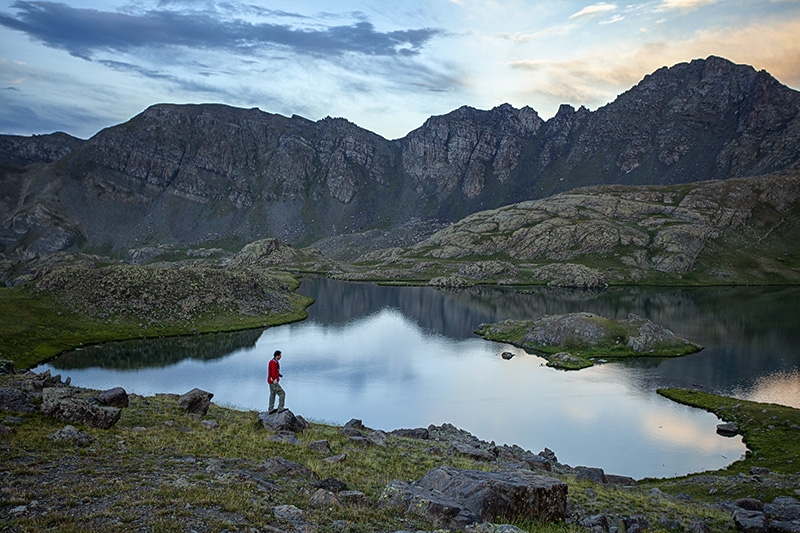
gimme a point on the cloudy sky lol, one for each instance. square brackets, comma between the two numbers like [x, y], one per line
[82, 65]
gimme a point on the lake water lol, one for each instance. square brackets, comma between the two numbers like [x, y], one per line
[408, 357]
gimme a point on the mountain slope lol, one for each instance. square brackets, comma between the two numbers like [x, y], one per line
[741, 230]
[192, 174]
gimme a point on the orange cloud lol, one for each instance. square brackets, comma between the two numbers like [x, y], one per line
[597, 79]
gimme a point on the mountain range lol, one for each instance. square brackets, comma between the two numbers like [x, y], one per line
[217, 176]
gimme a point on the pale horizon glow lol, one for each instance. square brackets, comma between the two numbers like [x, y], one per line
[83, 65]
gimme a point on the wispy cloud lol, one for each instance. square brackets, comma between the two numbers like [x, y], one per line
[684, 5]
[85, 32]
[594, 10]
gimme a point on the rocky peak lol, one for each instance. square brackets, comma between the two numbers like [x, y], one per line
[22, 151]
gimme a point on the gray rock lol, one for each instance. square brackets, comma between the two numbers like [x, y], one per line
[356, 423]
[751, 504]
[79, 411]
[209, 424]
[325, 498]
[620, 481]
[473, 452]
[16, 401]
[378, 438]
[320, 446]
[116, 397]
[285, 421]
[589, 473]
[196, 401]
[70, 434]
[336, 458]
[416, 433]
[437, 508]
[783, 508]
[728, 429]
[784, 527]
[750, 521]
[490, 495]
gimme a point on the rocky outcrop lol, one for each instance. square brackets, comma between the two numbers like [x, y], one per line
[700, 229]
[195, 174]
[22, 151]
[60, 403]
[573, 340]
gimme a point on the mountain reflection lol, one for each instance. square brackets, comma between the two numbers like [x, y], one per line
[156, 353]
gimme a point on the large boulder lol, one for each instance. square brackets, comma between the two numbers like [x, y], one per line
[196, 401]
[116, 397]
[58, 403]
[520, 494]
[283, 421]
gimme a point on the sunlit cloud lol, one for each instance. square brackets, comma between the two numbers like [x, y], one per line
[596, 79]
[594, 10]
[684, 5]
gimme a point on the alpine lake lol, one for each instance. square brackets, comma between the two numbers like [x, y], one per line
[404, 357]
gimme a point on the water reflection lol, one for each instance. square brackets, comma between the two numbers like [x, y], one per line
[408, 357]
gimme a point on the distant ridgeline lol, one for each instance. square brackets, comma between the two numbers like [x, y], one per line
[218, 176]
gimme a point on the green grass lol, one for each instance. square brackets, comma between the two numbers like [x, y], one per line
[35, 326]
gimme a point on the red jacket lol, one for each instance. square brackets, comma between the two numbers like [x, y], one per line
[273, 371]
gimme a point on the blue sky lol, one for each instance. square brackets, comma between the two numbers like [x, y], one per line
[82, 65]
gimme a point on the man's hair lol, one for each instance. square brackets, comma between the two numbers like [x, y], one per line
[277, 352]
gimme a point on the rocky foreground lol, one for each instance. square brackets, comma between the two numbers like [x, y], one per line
[125, 462]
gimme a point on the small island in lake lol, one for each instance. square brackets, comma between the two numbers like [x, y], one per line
[576, 340]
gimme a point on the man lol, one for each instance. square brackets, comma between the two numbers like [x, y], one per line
[273, 378]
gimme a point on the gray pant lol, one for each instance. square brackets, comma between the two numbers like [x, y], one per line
[275, 389]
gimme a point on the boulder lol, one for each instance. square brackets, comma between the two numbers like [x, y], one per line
[357, 424]
[521, 494]
[437, 508]
[589, 473]
[416, 433]
[15, 400]
[116, 397]
[473, 452]
[284, 421]
[728, 429]
[749, 521]
[80, 411]
[325, 498]
[783, 508]
[320, 446]
[377, 437]
[196, 401]
[507, 355]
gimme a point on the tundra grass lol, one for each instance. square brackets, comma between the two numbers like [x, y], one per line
[35, 327]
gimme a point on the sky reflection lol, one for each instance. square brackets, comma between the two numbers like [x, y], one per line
[390, 372]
